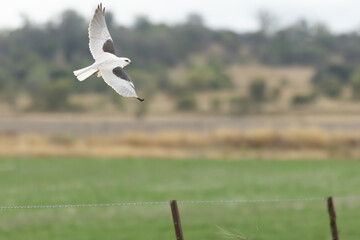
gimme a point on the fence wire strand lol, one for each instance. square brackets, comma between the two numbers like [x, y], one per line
[180, 202]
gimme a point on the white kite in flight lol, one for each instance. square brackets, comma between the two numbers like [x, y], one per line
[106, 64]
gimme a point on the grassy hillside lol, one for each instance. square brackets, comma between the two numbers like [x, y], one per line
[40, 181]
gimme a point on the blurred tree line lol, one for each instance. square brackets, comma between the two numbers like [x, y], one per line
[39, 60]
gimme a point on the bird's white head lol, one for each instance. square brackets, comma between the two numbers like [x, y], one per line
[124, 62]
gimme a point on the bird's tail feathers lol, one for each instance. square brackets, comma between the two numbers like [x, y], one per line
[84, 73]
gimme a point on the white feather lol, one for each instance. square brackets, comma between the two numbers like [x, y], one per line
[98, 32]
[121, 86]
[84, 73]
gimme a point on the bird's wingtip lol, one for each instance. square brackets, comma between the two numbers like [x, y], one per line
[100, 8]
[140, 99]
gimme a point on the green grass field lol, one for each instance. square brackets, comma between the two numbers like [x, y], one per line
[81, 181]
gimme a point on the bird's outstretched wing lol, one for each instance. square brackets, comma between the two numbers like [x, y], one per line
[119, 81]
[100, 39]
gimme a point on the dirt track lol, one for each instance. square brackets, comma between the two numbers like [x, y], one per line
[110, 127]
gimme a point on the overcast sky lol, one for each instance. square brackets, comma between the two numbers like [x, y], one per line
[238, 15]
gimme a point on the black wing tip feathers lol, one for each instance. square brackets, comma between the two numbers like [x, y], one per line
[100, 8]
[140, 99]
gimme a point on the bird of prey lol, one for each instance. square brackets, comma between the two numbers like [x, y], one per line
[107, 64]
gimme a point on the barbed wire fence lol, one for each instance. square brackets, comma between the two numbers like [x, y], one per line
[176, 214]
[238, 201]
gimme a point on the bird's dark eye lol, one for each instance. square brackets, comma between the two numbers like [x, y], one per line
[127, 60]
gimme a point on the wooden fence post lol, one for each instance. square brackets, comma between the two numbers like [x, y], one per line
[176, 219]
[332, 216]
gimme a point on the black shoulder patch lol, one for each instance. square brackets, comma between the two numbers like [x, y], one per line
[120, 73]
[109, 46]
